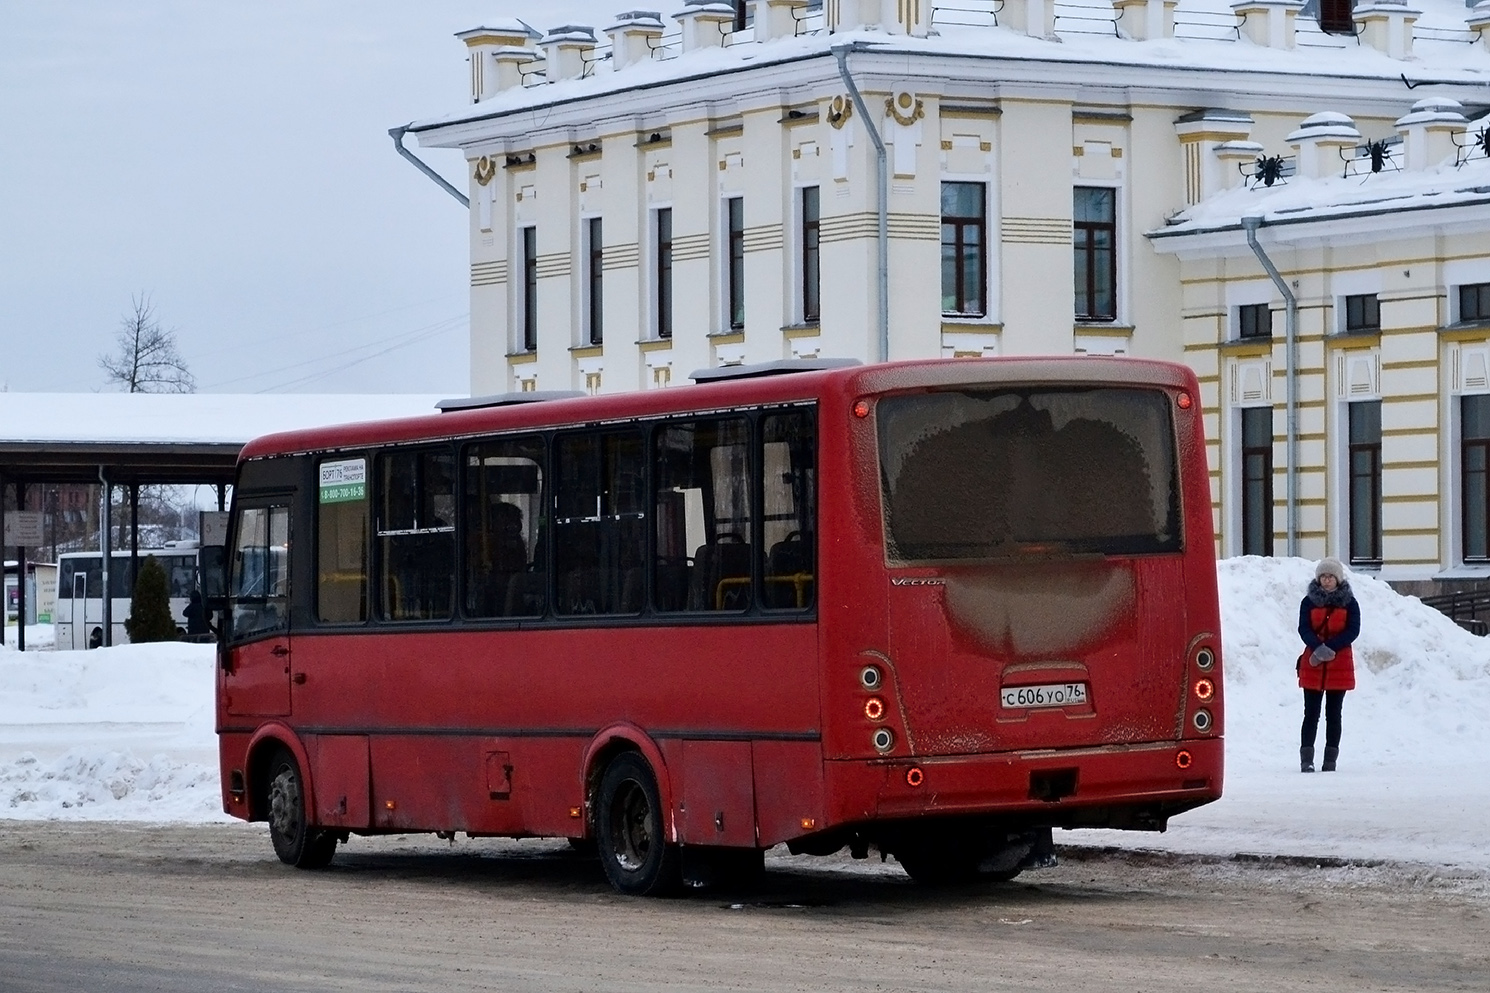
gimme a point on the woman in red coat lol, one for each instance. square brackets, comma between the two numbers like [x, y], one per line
[1329, 620]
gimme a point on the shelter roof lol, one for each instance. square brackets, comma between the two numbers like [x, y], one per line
[164, 437]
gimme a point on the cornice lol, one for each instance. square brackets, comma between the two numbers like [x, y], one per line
[1381, 226]
[955, 77]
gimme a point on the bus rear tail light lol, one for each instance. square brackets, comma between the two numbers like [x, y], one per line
[1182, 759]
[1205, 658]
[861, 408]
[1202, 720]
[1204, 689]
[883, 740]
[914, 776]
[874, 708]
[1184, 401]
[870, 677]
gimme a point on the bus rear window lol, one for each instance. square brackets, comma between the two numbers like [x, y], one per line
[990, 473]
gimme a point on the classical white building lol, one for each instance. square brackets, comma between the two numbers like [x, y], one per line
[874, 179]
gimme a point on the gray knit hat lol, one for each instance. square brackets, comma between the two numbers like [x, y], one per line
[1329, 565]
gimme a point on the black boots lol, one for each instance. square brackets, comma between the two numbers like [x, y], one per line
[1330, 754]
[1306, 758]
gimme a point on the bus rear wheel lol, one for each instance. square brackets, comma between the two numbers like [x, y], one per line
[634, 852]
[296, 842]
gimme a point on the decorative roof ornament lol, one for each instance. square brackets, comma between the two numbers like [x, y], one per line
[840, 109]
[905, 108]
[1269, 170]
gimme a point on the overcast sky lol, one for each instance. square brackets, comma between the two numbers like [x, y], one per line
[232, 160]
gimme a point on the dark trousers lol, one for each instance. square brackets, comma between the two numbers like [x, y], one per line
[1333, 700]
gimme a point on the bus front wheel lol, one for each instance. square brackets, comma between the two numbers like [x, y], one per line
[295, 841]
[634, 852]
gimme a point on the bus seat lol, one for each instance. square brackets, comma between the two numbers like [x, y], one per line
[672, 578]
[718, 569]
[788, 567]
[525, 595]
[633, 591]
[582, 591]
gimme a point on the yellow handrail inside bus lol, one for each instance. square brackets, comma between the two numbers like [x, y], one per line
[799, 580]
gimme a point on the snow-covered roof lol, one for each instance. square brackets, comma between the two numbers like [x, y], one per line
[186, 418]
[1301, 200]
[1206, 39]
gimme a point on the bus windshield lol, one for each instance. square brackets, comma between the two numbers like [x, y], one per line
[995, 472]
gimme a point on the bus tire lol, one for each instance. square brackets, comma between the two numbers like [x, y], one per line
[630, 836]
[296, 842]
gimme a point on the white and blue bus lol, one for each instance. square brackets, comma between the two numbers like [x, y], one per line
[79, 613]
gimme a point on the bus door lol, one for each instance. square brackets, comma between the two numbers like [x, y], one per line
[78, 614]
[256, 676]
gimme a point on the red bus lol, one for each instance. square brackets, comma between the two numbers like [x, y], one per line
[933, 608]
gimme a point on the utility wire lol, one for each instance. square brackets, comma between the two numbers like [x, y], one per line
[399, 340]
[303, 332]
[432, 332]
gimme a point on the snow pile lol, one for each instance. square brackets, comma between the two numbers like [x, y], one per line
[120, 733]
[1422, 682]
[127, 734]
[1414, 779]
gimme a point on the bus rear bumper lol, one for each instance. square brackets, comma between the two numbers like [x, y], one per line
[1122, 786]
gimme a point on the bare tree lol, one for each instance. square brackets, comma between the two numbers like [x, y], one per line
[146, 360]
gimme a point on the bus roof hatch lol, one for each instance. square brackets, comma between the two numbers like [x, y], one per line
[777, 368]
[505, 399]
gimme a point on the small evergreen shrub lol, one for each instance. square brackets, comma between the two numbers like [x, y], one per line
[150, 607]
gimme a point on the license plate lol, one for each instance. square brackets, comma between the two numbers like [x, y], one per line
[1045, 695]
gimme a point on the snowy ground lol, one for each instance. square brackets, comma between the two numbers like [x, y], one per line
[126, 734]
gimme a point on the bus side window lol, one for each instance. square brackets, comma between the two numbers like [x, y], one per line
[789, 468]
[702, 561]
[416, 534]
[504, 564]
[599, 522]
[341, 541]
[260, 586]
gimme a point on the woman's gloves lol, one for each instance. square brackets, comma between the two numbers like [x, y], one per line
[1321, 655]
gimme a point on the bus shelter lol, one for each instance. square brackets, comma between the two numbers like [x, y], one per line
[136, 439]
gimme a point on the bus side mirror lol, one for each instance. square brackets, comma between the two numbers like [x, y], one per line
[212, 560]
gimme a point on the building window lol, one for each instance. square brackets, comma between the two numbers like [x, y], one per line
[1335, 16]
[1365, 481]
[1474, 302]
[1362, 313]
[530, 289]
[1254, 320]
[811, 285]
[1257, 481]
[1094, 231]
[1474, 458]
[964, 249]
[594, 287]
[735, 213]
[664, 236]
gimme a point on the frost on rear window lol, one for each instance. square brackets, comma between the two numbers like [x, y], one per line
[997, 472]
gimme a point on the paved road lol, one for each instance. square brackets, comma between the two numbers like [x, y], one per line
[108, 907]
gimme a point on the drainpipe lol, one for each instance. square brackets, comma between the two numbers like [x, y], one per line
[397, 134]
[1290, 349]
[841, 52]
[105, 524]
